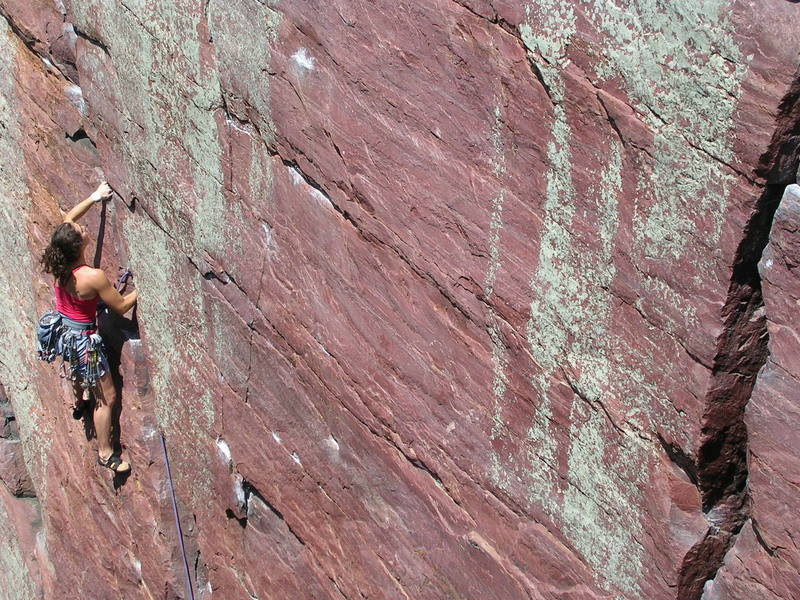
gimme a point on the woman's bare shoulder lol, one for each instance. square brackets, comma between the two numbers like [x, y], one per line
[91, 277]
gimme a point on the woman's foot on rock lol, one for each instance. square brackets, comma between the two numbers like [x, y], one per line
[79, 409]
[114, 462]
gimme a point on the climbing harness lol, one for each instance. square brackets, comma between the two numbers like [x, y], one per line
[82, 349]
[78, 344]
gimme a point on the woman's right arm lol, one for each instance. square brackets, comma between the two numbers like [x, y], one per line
[103, 192]
[114, 300]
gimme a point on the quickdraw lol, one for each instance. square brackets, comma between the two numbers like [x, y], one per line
[83, 366]
[79, 348]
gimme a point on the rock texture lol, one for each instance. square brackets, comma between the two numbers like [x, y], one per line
[438, 299]
[765, 562]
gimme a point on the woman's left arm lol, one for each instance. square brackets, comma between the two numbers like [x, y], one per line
[103, 192]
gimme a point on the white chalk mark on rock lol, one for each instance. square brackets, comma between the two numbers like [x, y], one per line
[331, 445]
[224, 450]
[321, 197]
[297, 178]
[75, 95]
[236, 126]
[269, 239]
[238, 489]
[296, 175]
[303, 60]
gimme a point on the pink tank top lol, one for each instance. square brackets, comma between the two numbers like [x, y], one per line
[73, 307]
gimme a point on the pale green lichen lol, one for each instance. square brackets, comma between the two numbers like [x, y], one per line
[681, 70]
[548, 29]
[17, 358]
[175, 331]
[601, 505]
[16, 582]
[171, 94]
[568, 329]
[169, 97]
[499, 354]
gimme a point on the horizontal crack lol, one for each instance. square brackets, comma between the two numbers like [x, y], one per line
[374, 239]
[678, 456]
[94, 41]
[30, 41]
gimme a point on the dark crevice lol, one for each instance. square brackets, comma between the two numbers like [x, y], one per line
[742, 349]
[592, 403]
[19, 484]
[9, 429]
[196, 566]
[420, 464]
[779, 164]
[611, 120]
[250, 491]
[678, 456]
[762, 542]
[241, 520]
[27, 38]
[30, 41]
[210, 275]
[80, 136]
[537, 72]
[94, 41]
[769, 549]
[722, 455]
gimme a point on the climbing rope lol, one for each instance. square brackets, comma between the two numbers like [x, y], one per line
[189, 589]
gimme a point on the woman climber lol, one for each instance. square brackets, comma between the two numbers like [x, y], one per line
[72, 328]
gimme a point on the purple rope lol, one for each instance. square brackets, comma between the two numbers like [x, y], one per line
[177, 521]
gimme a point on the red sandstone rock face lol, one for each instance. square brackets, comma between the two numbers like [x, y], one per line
[438, 299]
[764, 562]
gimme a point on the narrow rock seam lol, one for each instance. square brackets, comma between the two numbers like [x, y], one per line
[742, 349]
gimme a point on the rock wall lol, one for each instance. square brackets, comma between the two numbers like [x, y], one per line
[438, 299]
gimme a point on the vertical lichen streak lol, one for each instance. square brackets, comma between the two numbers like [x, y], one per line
[17, 273]
[499, 359]
[680, 70]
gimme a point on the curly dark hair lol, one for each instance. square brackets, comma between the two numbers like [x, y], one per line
[64, 250]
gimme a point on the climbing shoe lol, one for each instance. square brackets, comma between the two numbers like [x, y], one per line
[114, 462]
[79, 409]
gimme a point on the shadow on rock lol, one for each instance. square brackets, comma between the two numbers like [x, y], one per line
[116, 331]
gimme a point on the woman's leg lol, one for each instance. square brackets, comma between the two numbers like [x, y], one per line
[105, 400]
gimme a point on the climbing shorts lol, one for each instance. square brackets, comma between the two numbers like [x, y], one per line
[83, 356]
